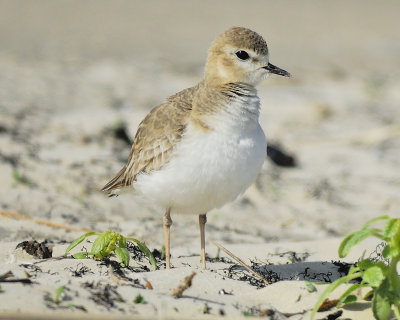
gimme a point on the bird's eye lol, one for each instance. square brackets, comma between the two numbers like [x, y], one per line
[242, 55]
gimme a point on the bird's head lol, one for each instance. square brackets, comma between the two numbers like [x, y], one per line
[240, 55]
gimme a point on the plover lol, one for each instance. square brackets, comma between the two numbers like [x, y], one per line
[204, 146]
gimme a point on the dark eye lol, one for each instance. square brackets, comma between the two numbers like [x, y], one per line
[242, 55]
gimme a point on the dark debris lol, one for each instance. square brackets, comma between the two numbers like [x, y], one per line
[121, 133]
[13, 160]
[137, 254]
[236, 272]
[40, 250]
[219, 259]
[9, 277]
[333, 316]
[293, 256]
[270, 313]
[316, 276]
[280, 157]
[119, 271]
[343, 269]
[105, 295]
[80, 270]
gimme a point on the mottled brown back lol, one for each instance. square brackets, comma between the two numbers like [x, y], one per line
[155, 139]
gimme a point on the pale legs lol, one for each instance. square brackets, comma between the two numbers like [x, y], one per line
[167, 222]
[202, 223]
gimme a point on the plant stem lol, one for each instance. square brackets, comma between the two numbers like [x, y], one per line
[394, 277]
[396, 311]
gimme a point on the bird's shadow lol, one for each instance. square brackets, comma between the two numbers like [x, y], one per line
[316, 271]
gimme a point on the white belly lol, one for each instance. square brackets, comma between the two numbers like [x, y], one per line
[208, 169]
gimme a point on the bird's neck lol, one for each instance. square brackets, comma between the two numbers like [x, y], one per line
[237, 101]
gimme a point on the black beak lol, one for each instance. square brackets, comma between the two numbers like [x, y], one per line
[273, 69]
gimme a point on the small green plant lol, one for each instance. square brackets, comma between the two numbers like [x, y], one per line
[59, 298]
[248, 313]
[381, 277]
[163, 254]
[206, 309]
[309, 286]
[21, 178]
[59, 295]
[139, 299]
[108, 242]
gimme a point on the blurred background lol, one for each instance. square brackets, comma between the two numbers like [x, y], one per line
[76, 78]
[308, 36]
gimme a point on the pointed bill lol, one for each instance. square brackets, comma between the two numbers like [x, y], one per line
[274, 69]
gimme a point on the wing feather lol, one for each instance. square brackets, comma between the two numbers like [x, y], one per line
[155, 140]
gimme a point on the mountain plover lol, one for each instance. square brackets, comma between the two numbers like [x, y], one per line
[204, 146]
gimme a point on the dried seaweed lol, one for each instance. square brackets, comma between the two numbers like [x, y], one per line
[118, 270]
[40, 250]
[293, 256]
[104, 295]
[80, 270]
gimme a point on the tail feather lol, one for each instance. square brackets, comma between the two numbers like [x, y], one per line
[115, 183]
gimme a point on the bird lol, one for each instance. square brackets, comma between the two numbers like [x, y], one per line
[203, 146]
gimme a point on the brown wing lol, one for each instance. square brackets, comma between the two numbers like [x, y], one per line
[155, 139]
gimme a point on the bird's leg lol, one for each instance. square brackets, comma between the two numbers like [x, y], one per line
[202, 223]
[167, 222]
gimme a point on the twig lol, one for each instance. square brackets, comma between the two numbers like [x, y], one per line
[238, 260]
[6, 275]
[20, 216]
[5, 278]
[185, 284]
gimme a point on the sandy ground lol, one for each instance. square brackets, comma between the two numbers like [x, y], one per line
[72, 72]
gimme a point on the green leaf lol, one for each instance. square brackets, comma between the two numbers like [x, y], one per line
[16, 175]
[59, 293]
[163, 254]
[112, 244]
[393, 249]
[349, 299]
[122, 242]
[365, 264]
[123, 255]
[374, 220]
[332, 287]
[353, 239]
[344, 298]
[309, 286]
[391, 228]
[80, 255]
[79, 240]
[139, 299]
[368, 296]
[387, 251]
[101, 243]
[146, 251]
[375, 275]
[21, 179]
[381, 302]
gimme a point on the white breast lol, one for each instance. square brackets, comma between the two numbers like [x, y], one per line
[209, 168]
